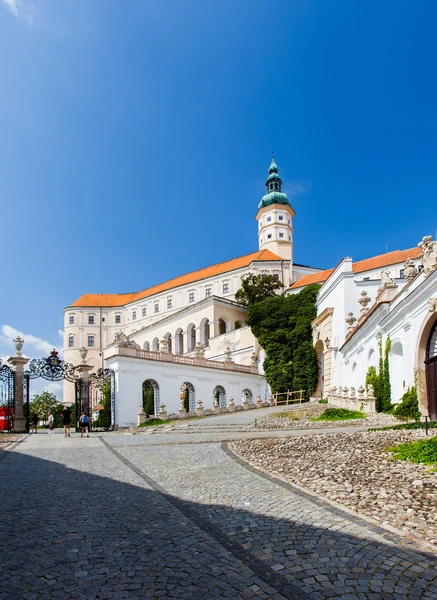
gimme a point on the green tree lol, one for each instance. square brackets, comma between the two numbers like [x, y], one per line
[148, 398]
[380, 379]
[255, 288]
[104, 418]
[282, 325]
[45, 403]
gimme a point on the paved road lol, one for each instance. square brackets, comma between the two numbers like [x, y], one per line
[121, 517]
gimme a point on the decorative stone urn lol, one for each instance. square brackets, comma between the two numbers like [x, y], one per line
[18, 342]
[231, 404]
[364, 301]
[361, 393]
[182, 411]
[83, 354]
[141, 416]
[228, 353]
[162, 414]
[199, 352]
[199, 410]
[350, 320]
[259, 401]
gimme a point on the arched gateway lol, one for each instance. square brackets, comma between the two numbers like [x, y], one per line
[431, 373]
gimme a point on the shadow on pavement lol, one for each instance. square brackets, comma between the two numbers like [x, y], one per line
[69, 534]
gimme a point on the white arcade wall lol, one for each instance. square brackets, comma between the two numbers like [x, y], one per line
[130, 373]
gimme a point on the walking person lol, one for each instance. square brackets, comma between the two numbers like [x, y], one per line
[84, 424]
[66, 420]
[35, 419]
[50, 423]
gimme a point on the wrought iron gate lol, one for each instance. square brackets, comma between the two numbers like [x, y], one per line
[94, 396]
[7, 381]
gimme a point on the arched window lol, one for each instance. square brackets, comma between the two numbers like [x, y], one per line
[204, 332]
[188, 396]
[146, 346]
[168, 337]
[247, 396]
[191, 337]
[155, 345]
[221, 326]
[179, 341]
[219, 394]
[150, 397]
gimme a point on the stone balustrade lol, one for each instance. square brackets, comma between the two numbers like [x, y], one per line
[197, 361]
[352, 399]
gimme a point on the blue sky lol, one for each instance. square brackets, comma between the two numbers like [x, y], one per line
[136, 138]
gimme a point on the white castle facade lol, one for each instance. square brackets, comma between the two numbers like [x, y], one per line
[190, 333]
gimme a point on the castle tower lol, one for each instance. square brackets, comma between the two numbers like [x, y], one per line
[275, 218]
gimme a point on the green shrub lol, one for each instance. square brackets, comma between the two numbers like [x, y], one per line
[153, 422]
[380, 380]
[416, 425]
[424, 451]
[323, 401]
[339, 414]
[409, 406]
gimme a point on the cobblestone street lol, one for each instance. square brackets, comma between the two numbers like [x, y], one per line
[122, 516]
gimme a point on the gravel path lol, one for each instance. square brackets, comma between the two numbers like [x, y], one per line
[116, 516]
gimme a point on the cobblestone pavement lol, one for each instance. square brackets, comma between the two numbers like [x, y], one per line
[120, 517]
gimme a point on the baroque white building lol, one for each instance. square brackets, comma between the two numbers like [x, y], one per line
[197, 309]
[361, 305]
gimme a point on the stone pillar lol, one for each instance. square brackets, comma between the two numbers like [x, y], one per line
[272, 400]
[19, 421]
[162, 412]
[182, 411]
[231, 404]
[199, 410]
[141, 417]
[245, 404]
[259, 401]
[215, 406]
[371, 400]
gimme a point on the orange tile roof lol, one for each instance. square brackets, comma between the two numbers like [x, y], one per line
[375, 262]
[111, 300]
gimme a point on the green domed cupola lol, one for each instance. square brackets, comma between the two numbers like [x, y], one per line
[273, 184]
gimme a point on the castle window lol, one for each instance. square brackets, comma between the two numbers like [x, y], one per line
[91, 341]
[269, 236]
[269, 219]
[281, 218]
[289, 221]
[144, 311]
[281, 235]
[226, 288]
[157, 308]
[401, 274]
[90, 319]
[191, 297]
[169, 303]
[71, 341]
[71, 320]
[118, 318]
[134, 315]
[276, 277]
[366, 278]
[208, 293]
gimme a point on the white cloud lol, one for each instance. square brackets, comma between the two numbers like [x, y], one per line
[21, 8]
[11, 5]
[34, 347]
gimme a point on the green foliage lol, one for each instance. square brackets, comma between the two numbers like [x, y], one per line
[148, 398]
[282, 325]
[416, 425]
[255, 288]
[323, 401]
[153, 422]
[408, 408]
[340, 414]
[104, 418]
[46, 402]
[238, 325]
[424, 451]
[187, 400]
[380, 380]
